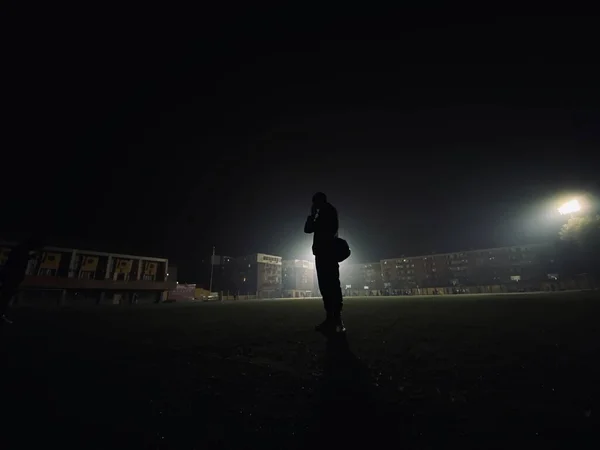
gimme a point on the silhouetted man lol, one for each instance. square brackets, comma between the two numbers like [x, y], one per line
[323, 222]
[13, 273]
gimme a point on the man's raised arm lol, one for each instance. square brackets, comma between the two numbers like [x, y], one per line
[309, 226]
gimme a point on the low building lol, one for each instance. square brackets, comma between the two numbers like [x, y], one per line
[183, 292]
[202, 294]
[259, 274]
[70, 276]
[298, 278]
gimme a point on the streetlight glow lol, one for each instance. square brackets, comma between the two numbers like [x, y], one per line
[570, 207]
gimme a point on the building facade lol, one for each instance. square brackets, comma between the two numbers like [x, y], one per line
[224, 274]
[259, 274]
[361, 279]
[75, 277]
[298, 278]
[518, 267]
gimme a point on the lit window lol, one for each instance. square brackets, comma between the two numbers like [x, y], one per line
[515, 278]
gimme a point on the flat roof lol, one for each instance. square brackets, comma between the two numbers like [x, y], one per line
[91, 252]
[466, 251]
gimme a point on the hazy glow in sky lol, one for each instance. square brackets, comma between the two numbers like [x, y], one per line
[570, 207]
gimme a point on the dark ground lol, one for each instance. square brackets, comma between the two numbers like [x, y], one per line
[518, 371]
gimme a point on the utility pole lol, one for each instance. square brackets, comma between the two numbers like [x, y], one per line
[212, 260]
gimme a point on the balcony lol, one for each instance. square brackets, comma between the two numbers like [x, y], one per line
[50, 282]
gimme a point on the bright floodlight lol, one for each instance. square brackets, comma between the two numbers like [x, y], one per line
[570, 207]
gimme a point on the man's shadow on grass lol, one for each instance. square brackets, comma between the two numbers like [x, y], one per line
[347, 407]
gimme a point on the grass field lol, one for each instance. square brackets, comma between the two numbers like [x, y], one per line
[493, 371]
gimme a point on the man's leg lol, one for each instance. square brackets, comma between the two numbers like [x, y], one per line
[335, 294]
[322, 279]
[324, 288]
[328, 271]
[336, 298]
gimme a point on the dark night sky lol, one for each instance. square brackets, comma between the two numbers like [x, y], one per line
[163, 135]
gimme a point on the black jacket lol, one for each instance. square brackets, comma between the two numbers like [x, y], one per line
[324, 225]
